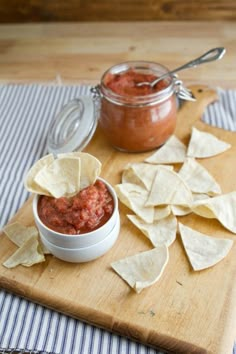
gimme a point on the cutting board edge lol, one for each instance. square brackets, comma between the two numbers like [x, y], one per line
[134, 332]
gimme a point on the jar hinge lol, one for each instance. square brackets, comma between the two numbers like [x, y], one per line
[181, 91]
[96, 92]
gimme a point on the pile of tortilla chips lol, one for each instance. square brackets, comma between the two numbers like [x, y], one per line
[61, 177]
[157, 195]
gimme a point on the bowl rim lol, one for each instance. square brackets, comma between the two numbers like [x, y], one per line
[108, 236]
[61, 235]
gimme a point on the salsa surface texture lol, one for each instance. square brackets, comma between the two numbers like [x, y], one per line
[86, 211]
[126, 83]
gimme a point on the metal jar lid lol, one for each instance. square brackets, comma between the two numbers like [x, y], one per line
[73, 127]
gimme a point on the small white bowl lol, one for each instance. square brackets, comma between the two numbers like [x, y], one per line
[80, 240]
[84, 254]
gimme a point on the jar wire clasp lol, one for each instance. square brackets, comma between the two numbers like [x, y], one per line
[182, 91]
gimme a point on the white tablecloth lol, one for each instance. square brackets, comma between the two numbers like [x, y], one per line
[26, 112]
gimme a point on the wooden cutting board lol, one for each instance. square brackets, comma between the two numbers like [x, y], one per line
[185, 311]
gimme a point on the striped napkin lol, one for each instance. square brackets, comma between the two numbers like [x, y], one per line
[26, 112]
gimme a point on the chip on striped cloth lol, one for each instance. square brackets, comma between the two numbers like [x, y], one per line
[134, 197]
[29, 181]
[61, 178]
[159, 232]
[173, 151]
[203, 251]
[203, 144]
[169, 188]
[28, 254]
[143, 269]
[222, 208]
[141, 173]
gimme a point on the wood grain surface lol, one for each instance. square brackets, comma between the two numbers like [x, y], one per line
[81, 52]
[116, 10]
[185, 311]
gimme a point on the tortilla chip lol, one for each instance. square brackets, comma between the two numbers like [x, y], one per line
[141, 173]
[203, 251]
[204, 144]
[90, 167]
[29, 181]
[61, 177]
[159, 232]
[222, 208]
[129, 176]
[180, 210]
[134, 197]
[169, 188]
[27, 255]
[198, 178]
[143, 269]
[161, 212]
[19, 233]
[173, 151]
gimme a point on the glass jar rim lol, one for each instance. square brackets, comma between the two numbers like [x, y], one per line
[146, 99]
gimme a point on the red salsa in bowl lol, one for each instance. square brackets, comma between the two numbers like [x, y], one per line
[88, 210]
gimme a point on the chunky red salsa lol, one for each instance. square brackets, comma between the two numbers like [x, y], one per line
[126, 83]
[129, 125]
[86, 211]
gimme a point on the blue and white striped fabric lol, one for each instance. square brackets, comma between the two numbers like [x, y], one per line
[26, 112]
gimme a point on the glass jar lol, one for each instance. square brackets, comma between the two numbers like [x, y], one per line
[134, 119]
[137, 119]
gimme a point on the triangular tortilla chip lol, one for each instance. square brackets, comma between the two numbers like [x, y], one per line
[159, 232]
[27, 255]
[61, 178]
[222, 208]
[173, 151]
[169, 188]
[141, 173]
[29, 181]
[198, 178]
[90, 167]
[19, 233]
[143, 269]
[203, 251]
[180, 210]
[134, 197]
[204, 145]
[161, 212]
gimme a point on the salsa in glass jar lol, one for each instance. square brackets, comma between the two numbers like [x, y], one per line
[137, 118]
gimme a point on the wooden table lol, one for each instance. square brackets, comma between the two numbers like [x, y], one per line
[81, 52]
